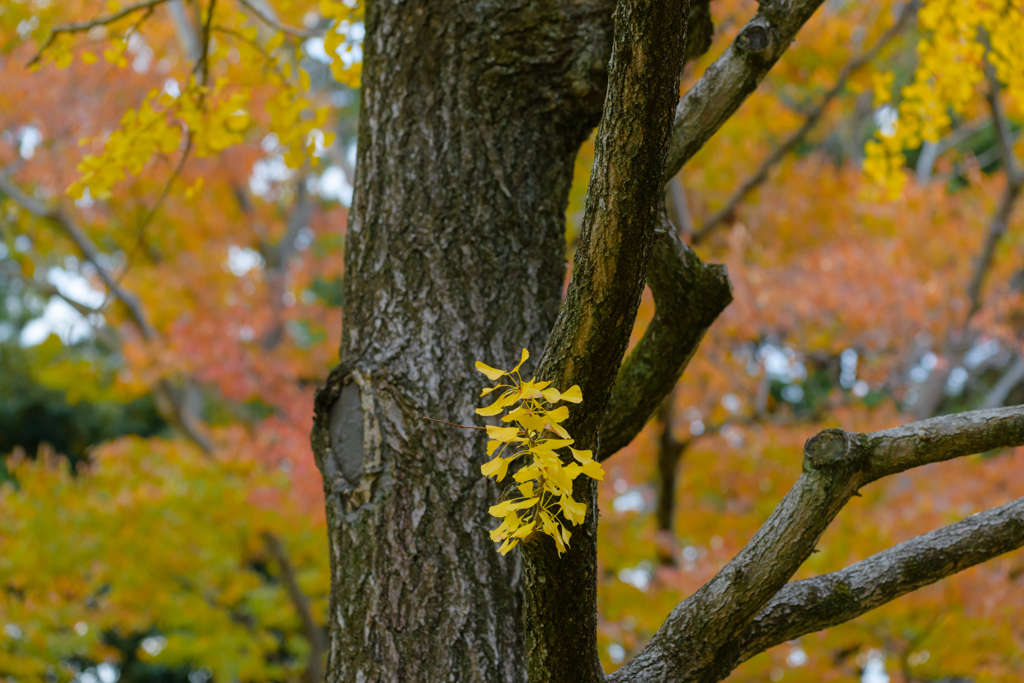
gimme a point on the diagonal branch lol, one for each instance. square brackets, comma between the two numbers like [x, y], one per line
[932, 391]
[146, 5]
[810, 605]
[725, 84]
[175, 407]
[268, 19]
[314, 632]
[811, 120]
[85, 246]
[836, 465]
[688, 297]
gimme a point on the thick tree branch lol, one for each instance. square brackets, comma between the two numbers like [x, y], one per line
[811, 120]
[732, 77]
[314, 632]
[688, 295]
[811, 605]
[836, 465]
[594, 324]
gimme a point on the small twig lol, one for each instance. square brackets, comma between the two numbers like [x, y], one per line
[271, 62]
[452, 424]
[277, 26]
[204, 56]
[101, 21]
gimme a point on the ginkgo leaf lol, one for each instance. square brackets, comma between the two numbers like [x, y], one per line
[499, 405]
[495, 468]
[551, 395]
[559, 414]
[522, 359]
[503, 434]
[572, 394]
[492, 373]
[582, 456]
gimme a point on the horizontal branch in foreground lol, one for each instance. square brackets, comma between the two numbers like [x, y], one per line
[697, 634]
[811, 605]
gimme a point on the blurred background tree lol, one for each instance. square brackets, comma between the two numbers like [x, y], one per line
[170, 285]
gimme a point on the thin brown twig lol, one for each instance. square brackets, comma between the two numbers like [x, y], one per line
[276, 25]
[204, 56]
[271, 62]
[452, 424]
[809, 123]
[100, 21]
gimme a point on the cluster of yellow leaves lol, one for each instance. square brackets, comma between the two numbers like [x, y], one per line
[343, 65]
[215, 120]
[952, 58]
[152, 535]
[545, 482]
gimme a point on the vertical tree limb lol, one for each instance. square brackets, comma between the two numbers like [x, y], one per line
[594, 324]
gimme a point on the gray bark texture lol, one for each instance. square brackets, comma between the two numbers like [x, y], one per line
[471, 118]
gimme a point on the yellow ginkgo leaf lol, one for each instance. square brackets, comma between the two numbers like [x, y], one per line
[503, 434]
[492, 373]
[582, 456]
[573, 394]
[522, 359]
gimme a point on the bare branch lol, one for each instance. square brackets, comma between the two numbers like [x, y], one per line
[273, 23]
[146, 5]
[670, 452]
[314, 632]
[836, 465]
[930, 396]
[688, 296]
[85, 246]
[1003, 136]
[811, 120]
[1013, 376]
[732, 77]
[930, 151]
[810, 605]
[174, 406]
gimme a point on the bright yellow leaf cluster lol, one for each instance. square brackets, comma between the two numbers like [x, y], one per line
[142, 134]
[952, 60]
[544, 483]
[345, 68]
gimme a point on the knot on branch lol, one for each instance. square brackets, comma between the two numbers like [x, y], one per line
[826, 449]
[755, 38]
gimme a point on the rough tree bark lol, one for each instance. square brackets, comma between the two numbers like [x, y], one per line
[472, 114]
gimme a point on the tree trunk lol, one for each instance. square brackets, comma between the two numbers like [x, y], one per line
[472, 115]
